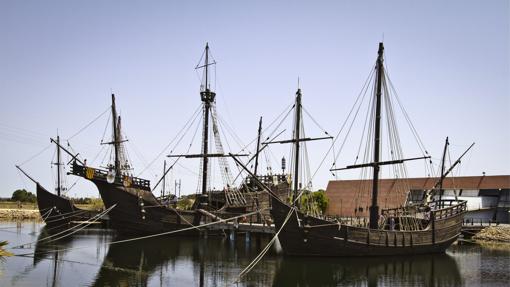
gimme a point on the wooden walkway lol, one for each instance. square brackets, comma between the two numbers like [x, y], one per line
[254, 228]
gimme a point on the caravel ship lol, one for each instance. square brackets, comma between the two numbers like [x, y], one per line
[430, 227]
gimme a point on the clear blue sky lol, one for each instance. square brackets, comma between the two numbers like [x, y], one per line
[60, 60]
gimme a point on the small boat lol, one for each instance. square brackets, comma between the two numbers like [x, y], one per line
[56, 210]
[430, 227]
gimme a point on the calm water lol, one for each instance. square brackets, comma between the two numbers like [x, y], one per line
[88, 259]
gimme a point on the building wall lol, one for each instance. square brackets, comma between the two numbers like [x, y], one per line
[353, 197]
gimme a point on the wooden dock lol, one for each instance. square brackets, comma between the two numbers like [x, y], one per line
[253, 228]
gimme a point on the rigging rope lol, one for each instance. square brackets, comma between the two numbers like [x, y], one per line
[99, 215]
[190, 122]
[90, 123]
[36, 155]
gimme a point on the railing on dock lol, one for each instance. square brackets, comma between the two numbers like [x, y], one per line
[479, 222]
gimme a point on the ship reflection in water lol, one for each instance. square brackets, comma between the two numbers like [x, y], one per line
[217, 261]
[426, 270]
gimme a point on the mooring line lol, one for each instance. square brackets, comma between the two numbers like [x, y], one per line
[89, 222]
[65, 215]
[47, 214]
[154, 235]
[259, 257]
[67, 230]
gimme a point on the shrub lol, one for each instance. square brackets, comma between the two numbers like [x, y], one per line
[23, 196]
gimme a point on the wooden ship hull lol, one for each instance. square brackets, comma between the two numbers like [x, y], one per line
[311, 236]
[57, 211]
[137, 210]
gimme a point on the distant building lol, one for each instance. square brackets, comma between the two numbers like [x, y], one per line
[488, 197]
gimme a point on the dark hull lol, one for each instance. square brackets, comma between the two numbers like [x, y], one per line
[136, 211]
[57, 211]
[317, 237]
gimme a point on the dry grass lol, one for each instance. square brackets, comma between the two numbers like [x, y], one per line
[494, 233]
[4, 253]
[14, 205]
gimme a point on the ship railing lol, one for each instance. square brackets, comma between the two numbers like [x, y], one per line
[100, 174]
[400, 211]
[448, 208]
[274, 179]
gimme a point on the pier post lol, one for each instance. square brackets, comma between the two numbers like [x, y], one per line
[433, 218]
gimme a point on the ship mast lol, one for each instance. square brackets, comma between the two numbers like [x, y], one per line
[297, 129]
[296, 140]
[258, 148]
[116, 140]
[374, 208]
[207, 97]
[441, 191]
[58, 164]
[164, 180]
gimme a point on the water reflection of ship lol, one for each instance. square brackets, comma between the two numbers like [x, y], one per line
[422, 270]
[211, 261]
[131, 263]
[45, 249]
[46, 246]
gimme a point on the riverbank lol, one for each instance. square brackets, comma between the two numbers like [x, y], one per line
[19, 214]
[499, 233]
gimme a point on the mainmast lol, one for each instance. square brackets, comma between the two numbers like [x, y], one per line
[374, 208]
[258, 148]
[207, 97]
[116, 139]
[297, 129]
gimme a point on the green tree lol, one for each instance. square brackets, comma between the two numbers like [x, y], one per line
[320, 199]
[23, 196]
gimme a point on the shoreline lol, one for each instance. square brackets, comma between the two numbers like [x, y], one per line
[493, 234]
[19, 214]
